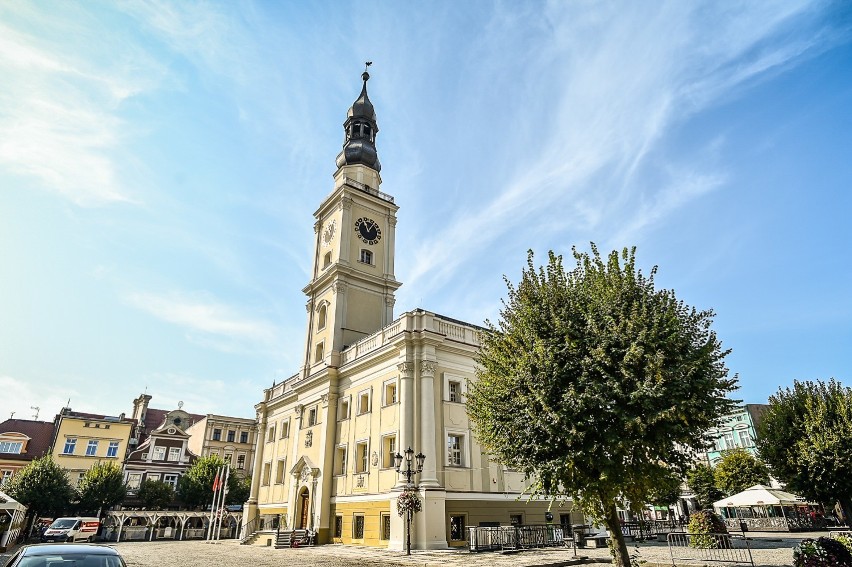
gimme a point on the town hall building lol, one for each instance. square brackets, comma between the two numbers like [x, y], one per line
[372, 385]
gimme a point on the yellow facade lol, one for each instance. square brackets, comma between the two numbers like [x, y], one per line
[81, 440]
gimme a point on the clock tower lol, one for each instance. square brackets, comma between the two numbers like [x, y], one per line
[351, 292]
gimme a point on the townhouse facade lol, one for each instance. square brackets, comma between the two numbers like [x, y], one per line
[21, 442]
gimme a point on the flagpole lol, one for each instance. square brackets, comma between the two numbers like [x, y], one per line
[213, 505]
[222, 503]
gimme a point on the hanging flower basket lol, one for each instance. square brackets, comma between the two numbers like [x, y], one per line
[408, 500]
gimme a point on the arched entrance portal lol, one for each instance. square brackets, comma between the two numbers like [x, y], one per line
[304, 509]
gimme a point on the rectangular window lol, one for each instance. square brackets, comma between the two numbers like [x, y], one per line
[151, 476]
[159, 453]
[112, 450]
[338, 526]
[364, 402]
[231, 436]
[457, 531]
[4, 476]
[270, 434]
[565, 522]
[319, 352]
[389, 451]
[229, 457]
[390, 393]
[171, 479]
[217, 435]
[312, 417]
[384, 522]
[134, 480]
[454, 391]
[516, 519]
[92, 448]
[285, 429]
[70, 444]
[267, 469]
[174, 453]
[366, 257]
[745, 439]
[279, 472]
[340, 460]
[80, 478]
[241, 462]
[454, 450]
[343, 412]
[358, 527]
[729, 440]
[11, 447]
[362, 457]
[243, 436]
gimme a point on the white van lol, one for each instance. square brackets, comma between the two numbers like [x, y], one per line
[72, 529]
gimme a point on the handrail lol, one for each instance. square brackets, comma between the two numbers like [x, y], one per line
[248, 530]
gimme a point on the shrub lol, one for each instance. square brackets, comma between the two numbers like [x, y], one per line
[823, 552]
[702, 525]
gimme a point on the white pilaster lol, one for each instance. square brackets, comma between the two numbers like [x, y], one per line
[429, 476]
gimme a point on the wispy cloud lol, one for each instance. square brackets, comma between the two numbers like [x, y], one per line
[208, 321]
[622, 80]
[21, 396]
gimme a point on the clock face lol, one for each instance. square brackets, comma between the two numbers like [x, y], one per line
[328, 233]
[368, 230]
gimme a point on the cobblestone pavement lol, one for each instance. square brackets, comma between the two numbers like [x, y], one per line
[768, 550]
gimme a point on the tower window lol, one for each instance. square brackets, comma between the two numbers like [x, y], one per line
[366, 257]
[321, 317]
[326, 260]
[319, 352]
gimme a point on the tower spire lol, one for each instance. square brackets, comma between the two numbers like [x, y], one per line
[360, 129]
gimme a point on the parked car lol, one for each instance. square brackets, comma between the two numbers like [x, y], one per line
[71, 529]
[61, 555]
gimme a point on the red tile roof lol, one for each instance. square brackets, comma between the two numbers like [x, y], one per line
[39, 432]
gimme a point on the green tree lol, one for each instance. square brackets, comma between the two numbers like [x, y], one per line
[239, 490]
[43, 487]
[156, 494]
[101, 487]
[667, 491]
[739, 469]
[702, 482]
[805, 436]
[195, 488]
[597, 385]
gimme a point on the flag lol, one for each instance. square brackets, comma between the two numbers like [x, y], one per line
[216, 483]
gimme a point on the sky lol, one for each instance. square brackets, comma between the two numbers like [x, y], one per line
[160, 163]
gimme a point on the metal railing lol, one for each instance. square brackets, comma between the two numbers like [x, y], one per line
[249, 530]
[713, 548]
[499, 538]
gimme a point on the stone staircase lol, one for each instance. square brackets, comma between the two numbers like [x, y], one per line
[293, 538]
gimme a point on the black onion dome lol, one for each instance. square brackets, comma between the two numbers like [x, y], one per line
[360, 128]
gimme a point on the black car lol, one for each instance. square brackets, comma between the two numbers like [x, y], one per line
[65, 555]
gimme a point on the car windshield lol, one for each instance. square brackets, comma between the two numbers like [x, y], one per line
[63, 524]
[72, 560]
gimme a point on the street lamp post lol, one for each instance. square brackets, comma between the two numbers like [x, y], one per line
[409, 474]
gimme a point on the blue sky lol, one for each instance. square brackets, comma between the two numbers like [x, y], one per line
[160, 163]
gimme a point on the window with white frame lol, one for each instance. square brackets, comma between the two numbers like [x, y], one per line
[112, 450]
[174, 453]
[340, 460]
[312, 416]
[92, 448]
[362, 457]
[152, 476]
[285, 428]
[5, 475]
[388, 451]
[366, 257]
[455, 388]
[217, 435]
[241, 462]
[244, 437]
[134, 480]
[280, 472]
[11, 447]
[171, 479]
[70, 445]
[270, 434]
[390, 392]
[159, 453]
[745, 438]
[343, 409]
[455, 449]
[228, 457]
[364, 402]
[231, 435]
[729, 440]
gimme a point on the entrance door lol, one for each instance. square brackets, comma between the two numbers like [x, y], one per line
[303, 517]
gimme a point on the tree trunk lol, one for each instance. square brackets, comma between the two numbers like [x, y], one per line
[620, 555]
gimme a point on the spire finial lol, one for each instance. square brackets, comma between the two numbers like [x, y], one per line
[365, 75]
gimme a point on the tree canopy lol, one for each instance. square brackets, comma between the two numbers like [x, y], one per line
[702, 482]
[596, 384]
[43, 487]
[101, 487]
[805, 436]
[739, 469]
[155, 494]
[195, 488]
